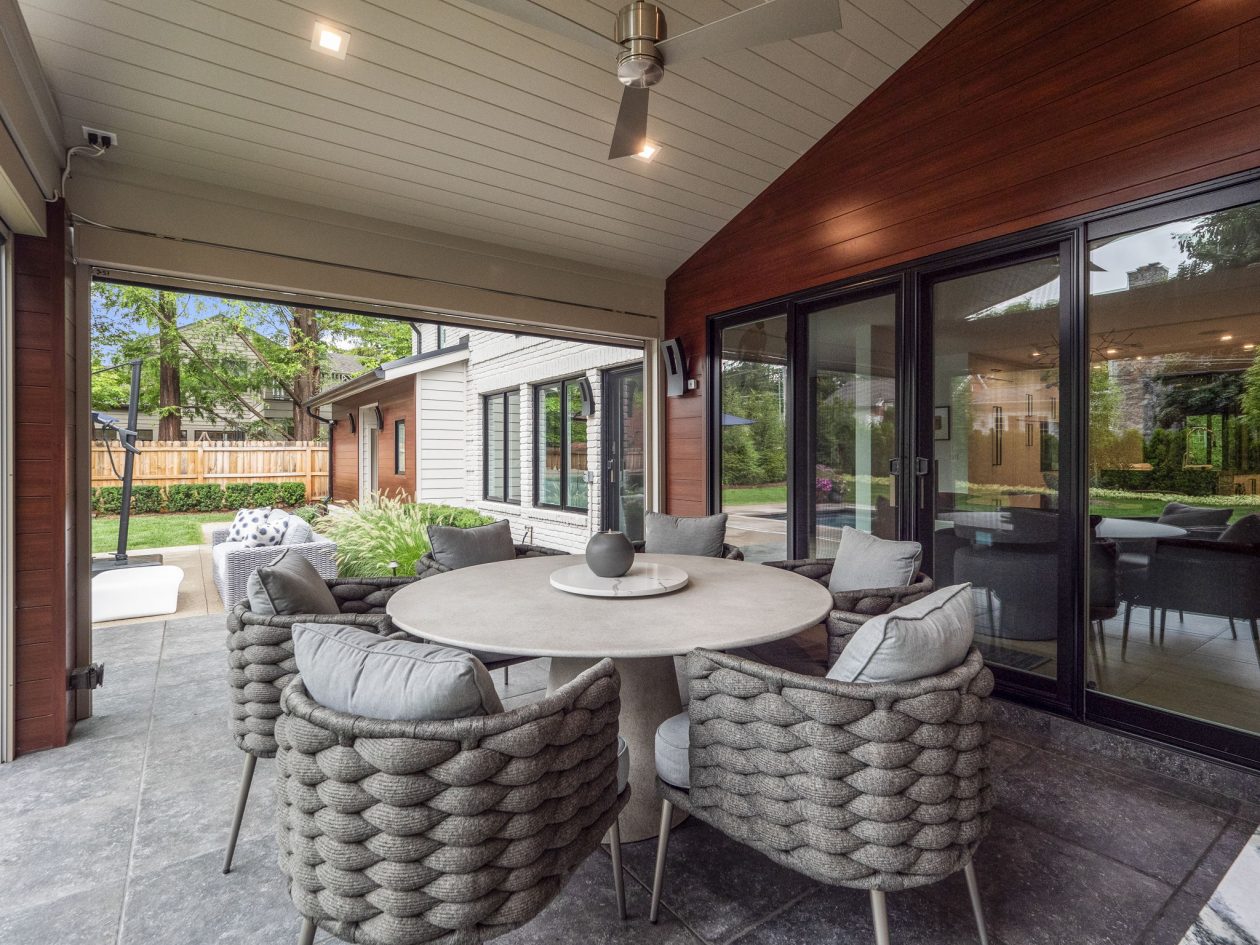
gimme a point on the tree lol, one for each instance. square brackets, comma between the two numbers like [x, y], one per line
[1228, 239]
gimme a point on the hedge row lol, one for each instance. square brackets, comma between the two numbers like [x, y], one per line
[199, 497]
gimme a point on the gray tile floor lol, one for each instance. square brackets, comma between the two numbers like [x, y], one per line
[118, 838]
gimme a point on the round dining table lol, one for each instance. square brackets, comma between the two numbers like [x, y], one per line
[510, 607]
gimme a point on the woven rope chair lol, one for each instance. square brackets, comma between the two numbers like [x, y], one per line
[851, 609]
[728, 551]
[452, 832]
[876, 786]
[428, 566]
[260, 665]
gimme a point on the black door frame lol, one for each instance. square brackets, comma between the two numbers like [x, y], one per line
[610, 442]
[1068, 694]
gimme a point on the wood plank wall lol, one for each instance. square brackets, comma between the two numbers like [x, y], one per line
[45, 435]
[1020, 112]
[397, 400]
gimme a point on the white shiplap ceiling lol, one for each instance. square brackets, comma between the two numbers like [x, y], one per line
[456, 119]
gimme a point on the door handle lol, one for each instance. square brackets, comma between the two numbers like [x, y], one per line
[612, 470]
[922, 467]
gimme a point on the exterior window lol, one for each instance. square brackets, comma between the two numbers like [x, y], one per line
[560, 447]
[400, 446]
[502, 445]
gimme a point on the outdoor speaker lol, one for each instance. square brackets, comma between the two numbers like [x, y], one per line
[588, 397]
[675, 367]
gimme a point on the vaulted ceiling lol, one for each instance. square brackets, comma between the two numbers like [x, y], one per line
[450, 117]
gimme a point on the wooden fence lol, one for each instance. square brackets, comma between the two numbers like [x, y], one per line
[174, 463]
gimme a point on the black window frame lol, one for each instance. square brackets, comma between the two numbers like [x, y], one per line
[565, 385]
[505, 397]
[400, 447]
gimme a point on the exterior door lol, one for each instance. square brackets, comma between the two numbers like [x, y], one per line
[623, 482]
[369, 439]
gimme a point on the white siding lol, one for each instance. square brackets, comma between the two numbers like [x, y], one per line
[441, 436]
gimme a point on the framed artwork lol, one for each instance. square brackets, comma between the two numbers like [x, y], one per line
[940, 423]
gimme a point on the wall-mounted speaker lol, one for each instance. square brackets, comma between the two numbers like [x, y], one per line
[675, 367]
[587, 395]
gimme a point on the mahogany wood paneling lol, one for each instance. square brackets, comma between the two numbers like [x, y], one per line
[1018, 113]
[44, 436]
[397, 400]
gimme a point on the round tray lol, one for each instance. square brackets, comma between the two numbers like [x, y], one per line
[643, 580]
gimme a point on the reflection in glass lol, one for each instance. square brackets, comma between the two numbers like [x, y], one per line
[1174, 466]
[628, 450]
[513, 472]
[852, 396]
[494, 448]
[996, 389]
[575, 437]
[754, 462]
[549, 445]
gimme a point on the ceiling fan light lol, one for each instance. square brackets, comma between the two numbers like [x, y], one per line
[648, 152]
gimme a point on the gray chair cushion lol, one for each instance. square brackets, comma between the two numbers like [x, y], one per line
[362, 673]
[677, 535]
[465, 547]
[924, 638]
[1176, 513]
[864, 561]
[1245, 531]
[298, 532]
[673, 739]
[288, 586]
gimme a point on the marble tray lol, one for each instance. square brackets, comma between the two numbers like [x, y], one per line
[643, 580]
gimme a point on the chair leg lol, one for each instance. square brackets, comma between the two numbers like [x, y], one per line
[1152, 630]
[619, 878]
[1124, 635]
[242, 796]
[1163, 622]
[505, 674]
[307, 935]
[973, 890]
[1233, 630]
[879, 917]
[662, 843]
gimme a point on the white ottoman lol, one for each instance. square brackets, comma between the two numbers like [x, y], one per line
[136, 592]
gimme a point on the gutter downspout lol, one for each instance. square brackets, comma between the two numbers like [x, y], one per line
[330, 424]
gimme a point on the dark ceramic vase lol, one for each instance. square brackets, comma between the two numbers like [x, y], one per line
[609, 554]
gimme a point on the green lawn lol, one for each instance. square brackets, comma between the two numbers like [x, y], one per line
[154, 531]
[773, 494]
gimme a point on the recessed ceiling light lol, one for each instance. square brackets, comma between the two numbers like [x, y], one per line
[330, 41]
[1227, 337]
[649, 151]
[1036, 354]
[1249, 347]
[1112, 351]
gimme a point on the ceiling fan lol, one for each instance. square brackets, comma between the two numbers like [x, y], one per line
[643, 49]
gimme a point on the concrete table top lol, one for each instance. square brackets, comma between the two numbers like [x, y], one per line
[510, 607]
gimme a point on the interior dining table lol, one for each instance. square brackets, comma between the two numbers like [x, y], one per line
[510, 607]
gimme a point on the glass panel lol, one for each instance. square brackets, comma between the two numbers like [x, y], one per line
[1174, 465]
[995, 429]
[852, 426]
[753, 408]
[629, 449]
[575, 468]
[494, 447]
[513, 413]
[549, 445]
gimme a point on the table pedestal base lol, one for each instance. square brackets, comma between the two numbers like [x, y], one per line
[649, 696]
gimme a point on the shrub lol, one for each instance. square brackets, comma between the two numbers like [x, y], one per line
[107, 500]
[209, 496]
[146, 500]
[292, 494]
[238, 495]
[309, 513]
[264, 494]
[195, 497]
[370, 535]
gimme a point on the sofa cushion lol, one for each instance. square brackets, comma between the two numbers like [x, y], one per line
[298, 532]
[1176, 513]
[1245, 531]
[921, 639]
[865, 561]
[465, 547]
[289, 586]
[678, 535]
[220, 553]
[244, 519]
[362, 673]
[673, 741]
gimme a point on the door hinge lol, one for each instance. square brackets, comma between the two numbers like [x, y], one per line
[91, 676]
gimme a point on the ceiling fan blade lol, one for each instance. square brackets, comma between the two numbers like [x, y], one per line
[631, 132]
[534, 15]
[756, 26]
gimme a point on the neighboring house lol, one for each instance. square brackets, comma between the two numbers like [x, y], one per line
[235, 423]
[458, 423]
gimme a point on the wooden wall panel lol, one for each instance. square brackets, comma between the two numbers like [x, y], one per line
[1018, 113]
[44, 444]
[397, 400]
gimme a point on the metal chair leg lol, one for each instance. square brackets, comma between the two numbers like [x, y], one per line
[307, 935]
[973, 890]
[1152, 630]
[1163, 622]
[662, 843]
[619, 878]
[879, 917]
[1233, 630]
[505, 674]
[242, 796]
